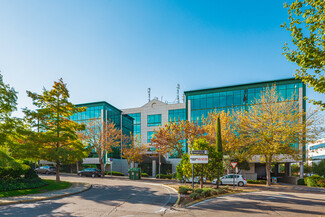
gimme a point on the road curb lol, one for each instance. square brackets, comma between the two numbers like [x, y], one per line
[178, 195]
[211, 198]
[88, 186]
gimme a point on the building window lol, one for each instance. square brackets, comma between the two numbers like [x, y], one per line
[136, 123]
[177, 115]
[154, 120]
[149, 136]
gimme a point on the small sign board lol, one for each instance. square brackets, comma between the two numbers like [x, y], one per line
[111, 159]
[199, 159]
[200, 152]
[233, 164]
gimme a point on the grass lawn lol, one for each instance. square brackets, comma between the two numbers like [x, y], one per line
[51, 186]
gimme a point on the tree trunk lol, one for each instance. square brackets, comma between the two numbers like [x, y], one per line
[102, 167]
[77, 164]
[268, 173]
[218, 177]
[57, 171]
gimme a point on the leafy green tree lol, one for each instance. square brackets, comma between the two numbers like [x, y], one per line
[56, 139]
[319, 168]
[219, 152]
[184, 168]
[8, 103]
[209, 170]
[306, 24]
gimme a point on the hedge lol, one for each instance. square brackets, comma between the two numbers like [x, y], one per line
[312, 181]
[301, 182]
[256, 181]
[184, 189]
[21, 183]
[114, 173]
[164, 176]
[144, 175]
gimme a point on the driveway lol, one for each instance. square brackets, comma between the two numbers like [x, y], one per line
[107, 197]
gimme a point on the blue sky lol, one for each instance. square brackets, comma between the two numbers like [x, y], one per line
[114, 50]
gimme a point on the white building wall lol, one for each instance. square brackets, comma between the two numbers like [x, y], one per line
[313, 152]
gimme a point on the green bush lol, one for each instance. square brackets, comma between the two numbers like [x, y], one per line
[30, 174]
[195, 195]
[321, 183]
[144, 175]
[164, 176]
[207, 192]
[114, 173]
[256, 181]
[311, 181]
[20, 183]
[301, 182]
[184, 189]
[199, 190]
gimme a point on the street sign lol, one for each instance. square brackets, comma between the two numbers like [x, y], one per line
[199, 159]
[111, 159]
[233, 164]
[200, 152]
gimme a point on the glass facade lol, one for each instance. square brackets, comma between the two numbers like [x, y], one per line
[154, 120]
[234, 98]
[177, 115]
[149, 136]
[136, 123]
[105, 112]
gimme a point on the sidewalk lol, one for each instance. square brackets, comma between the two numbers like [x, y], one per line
[74, 189]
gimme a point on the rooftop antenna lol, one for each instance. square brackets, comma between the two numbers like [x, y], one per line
[149, 94]
[177, 98]
[183, 97]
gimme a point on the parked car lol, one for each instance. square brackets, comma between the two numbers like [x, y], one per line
[46, 170]
[197, 179]
[93, 172]
[229, 180]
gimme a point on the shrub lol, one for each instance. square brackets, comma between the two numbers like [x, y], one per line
[164, 176]
[207, 192]
[301, 182]
[256, 181]
[199, 190]
[184, 189]
[144, 175]
[20, 183]
[321, 183]
[195, 196]
[114, 173]
[30, 174]
[311, 181]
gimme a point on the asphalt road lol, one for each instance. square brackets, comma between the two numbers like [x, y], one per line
[107, 197]
[122, 197]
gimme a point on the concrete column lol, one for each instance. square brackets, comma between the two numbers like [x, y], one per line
[154, 168]
[287, 169]
[132, 164]
[301, 164]
[276, 169]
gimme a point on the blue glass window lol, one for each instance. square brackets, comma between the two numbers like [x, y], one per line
[154, 120]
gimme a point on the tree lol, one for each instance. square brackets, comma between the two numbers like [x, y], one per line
[209, 170]
[134, 151]
[271, 129]
[8, 103]
[56, 139]
[319, 168]
[219, 151]
[102, 136]
[306, 24]
[229, 137]
[184, 168]
[174, 134]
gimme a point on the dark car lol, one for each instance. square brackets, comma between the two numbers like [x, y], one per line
[93, 172]
[46, 170]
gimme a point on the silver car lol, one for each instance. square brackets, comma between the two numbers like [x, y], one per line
[230, 179]
[46, 170]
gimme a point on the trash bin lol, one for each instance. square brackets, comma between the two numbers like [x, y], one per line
[134, 173]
